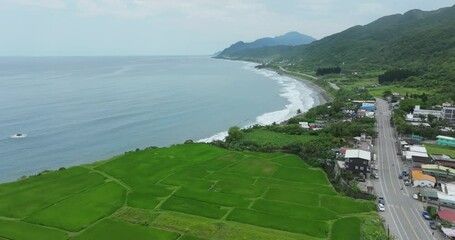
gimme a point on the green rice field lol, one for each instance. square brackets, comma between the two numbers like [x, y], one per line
[185, 192]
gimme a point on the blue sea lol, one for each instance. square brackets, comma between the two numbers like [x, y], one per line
[77, 110]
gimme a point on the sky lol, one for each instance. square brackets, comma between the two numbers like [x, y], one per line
[176, 27]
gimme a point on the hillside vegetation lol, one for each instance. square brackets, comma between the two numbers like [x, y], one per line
[192, 191]
[421, 41]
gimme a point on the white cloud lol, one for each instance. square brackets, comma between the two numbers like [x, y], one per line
[53, 4]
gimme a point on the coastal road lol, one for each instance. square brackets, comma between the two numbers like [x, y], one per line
[402, 213]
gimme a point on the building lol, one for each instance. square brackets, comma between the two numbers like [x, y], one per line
[417, 154]
[357, 161]
[448, 215]
[448, 112]
[438, 170]
[443, 160]
[426, 112]
[419, 179]
[445, 141]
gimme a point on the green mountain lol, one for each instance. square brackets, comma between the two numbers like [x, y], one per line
[288, 39]
[418, 40]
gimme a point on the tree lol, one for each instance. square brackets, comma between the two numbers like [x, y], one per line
[234, 134]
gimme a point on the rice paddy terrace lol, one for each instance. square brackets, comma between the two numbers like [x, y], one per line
[193, 191]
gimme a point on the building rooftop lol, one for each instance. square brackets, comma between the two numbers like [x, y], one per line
[446, 138]
[418, 175]
[442, 157]
[448, 188]
[410, 154]
[447, 214]
[417, 148]
[357, 153]
[437, 168]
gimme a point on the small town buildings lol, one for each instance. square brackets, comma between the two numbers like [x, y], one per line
[417, 154]
[410, 117]
[447, 214]
[445, 141]
[419, 179]
[357, 161]
[443, 160]
[438, 170]
[426, 112]
[448, 112]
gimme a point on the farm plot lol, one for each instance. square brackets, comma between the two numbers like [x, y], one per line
[192, 191]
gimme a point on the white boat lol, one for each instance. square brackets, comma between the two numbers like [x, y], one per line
[19, 135]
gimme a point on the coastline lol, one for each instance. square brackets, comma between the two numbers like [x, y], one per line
[319, 94]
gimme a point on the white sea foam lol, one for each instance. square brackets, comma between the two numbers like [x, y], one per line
[299, 96]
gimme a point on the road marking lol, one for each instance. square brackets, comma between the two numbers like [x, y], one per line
[402, 228]
[419, 221]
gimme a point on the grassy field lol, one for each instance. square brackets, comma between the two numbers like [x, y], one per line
[263, 137]
[192, 192]
[437, 149]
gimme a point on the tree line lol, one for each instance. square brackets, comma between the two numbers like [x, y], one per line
[328, 70]
[397, 74]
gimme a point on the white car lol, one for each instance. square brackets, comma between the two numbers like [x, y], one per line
[381, 207]
[376, 175]
[415, 196]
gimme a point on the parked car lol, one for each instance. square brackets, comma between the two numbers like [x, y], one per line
[407, 182]
[376, 175]
[433, 225]
[381, 200]
[415, 196]
[360, 179]
[426, 215]
[381, 207]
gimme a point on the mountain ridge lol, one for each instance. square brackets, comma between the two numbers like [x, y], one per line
[289, 39]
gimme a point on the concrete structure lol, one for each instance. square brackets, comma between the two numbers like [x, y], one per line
[443, 160]
[419, 179]
[448, 112]
[357, 161]
[304, 125]
[445, 141]
[426, 112]
[339, 167]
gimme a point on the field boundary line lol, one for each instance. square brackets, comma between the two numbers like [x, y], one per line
[120, 182]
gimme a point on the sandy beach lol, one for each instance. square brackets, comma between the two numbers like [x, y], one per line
[318, 94]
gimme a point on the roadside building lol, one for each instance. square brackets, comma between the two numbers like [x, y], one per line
[448, 215]
[448, 112]
[445, 141]
[419, 179]
[438, 170]
[417, 154]
[357, 161]
[443, 160]
[426, 112]
[448, 232]
[410, 117]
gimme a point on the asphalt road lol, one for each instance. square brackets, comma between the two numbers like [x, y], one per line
[403, 214]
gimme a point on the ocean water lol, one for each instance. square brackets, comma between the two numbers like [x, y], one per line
[77, 110]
